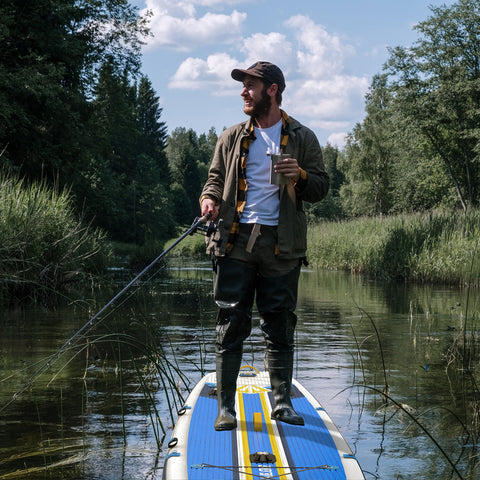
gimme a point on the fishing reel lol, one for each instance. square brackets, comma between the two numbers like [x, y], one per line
[207, 229]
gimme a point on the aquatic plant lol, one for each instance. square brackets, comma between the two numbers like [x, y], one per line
[466, 373]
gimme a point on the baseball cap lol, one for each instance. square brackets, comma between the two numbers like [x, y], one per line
[264, 70]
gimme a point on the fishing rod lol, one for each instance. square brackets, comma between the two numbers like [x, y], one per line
[199, 224]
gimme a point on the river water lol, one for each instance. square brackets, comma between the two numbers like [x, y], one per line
[103, 408]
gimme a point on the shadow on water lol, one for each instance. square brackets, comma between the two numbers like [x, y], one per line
[104, 410]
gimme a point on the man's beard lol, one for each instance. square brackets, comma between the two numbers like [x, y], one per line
[262, 107]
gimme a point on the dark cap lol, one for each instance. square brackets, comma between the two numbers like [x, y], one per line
[264, 70]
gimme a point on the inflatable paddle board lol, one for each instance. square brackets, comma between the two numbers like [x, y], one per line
[259, 447]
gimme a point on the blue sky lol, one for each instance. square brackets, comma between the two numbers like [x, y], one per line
[329, 51]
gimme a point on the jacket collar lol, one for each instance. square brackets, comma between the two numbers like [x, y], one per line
[287, 123]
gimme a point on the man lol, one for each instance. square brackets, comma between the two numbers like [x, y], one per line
[261, 238]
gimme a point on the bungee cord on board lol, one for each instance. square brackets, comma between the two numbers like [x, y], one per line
[247, 470]
[199, 224]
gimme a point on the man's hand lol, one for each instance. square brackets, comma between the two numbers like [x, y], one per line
[208, 206]
[288, 167]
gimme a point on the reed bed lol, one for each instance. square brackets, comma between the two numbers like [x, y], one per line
[435, 247]
[43, 244]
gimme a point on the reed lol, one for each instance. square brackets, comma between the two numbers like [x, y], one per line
[458, 371]
[434, 247]
[133, 361]
[44, 246]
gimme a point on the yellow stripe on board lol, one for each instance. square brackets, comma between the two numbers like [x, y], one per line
[244, 434]
[271, 436]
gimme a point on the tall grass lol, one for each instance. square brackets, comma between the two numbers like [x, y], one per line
[435, 247]
[43, 244]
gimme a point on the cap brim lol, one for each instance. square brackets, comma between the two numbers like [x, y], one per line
[239, 75]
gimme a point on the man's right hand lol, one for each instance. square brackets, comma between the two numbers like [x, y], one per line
[208, 206]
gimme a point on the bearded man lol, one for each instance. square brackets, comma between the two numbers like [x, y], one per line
[260, 243]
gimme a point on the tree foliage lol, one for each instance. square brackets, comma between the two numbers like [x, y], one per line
[370, 151]
[330, 207]
[50, 56]
[128, 172]
[189, 156]
[74, 110]
[437, 87]
[418, 146]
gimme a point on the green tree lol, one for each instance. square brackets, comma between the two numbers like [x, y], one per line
[129, 175]
[49, 61]
[113, 139]
[437, 87]
[153, 130]
[420, 181]
[183, 155]
[206, 149]
[330, 207]
[153, 213]
[370, 155]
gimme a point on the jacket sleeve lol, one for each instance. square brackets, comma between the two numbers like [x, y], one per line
[314, 182]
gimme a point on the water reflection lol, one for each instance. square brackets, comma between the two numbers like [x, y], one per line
[103, 410]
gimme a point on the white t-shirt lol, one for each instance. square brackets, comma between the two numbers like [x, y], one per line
[263, 201]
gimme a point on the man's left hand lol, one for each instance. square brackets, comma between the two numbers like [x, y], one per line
[288, 167]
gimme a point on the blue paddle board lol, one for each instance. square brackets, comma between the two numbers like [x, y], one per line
[259, 447]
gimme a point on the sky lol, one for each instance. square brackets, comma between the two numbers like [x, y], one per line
[328, 50]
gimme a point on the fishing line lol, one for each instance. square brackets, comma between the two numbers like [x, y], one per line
[198, 224]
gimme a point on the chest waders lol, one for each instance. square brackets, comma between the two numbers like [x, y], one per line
[235, 285]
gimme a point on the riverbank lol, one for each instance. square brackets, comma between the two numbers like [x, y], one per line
[435, 247]
[43, 244]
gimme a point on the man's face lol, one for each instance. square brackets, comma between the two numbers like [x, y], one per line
[256, 101]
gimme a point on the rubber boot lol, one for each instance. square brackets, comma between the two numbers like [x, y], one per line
[280, 369]
[228, 366]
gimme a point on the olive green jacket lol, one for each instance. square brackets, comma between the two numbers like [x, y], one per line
[222, 184]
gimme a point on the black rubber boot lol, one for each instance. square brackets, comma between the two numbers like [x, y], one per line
[234, 290]
[280, 369]
[228, 366]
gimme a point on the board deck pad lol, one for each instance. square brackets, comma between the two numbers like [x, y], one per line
[259, 447]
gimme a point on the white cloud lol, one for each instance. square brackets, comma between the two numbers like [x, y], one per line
[211, 74]
[216, 69]
[318, 92]
[176, 25]
[338, 97]
[338, 139]
[319, 54]
[273, 47]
